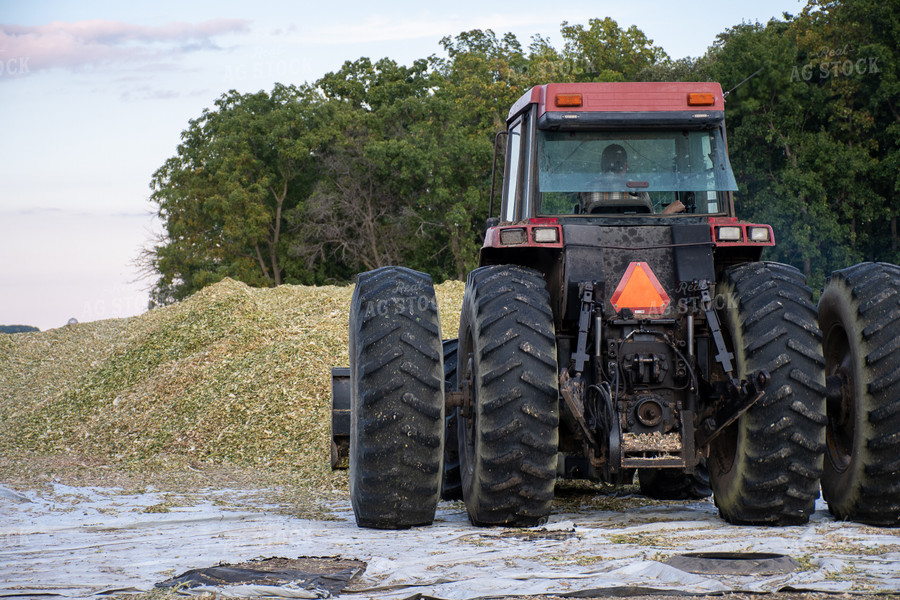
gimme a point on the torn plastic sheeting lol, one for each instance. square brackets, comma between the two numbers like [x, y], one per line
[734, 563]
[12, 496]
[470, 581]
[607, 592]
[456, 573]
[270, 574]
[254, 591]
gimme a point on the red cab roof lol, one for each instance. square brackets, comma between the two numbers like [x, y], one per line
[622, 97]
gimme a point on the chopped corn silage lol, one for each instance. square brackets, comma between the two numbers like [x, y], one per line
[232, 375]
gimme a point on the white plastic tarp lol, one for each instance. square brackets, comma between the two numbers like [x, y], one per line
[84, 542]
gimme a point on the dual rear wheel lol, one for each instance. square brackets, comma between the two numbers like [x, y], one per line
[831, 413]
[765, 467]
[503, 460]
[397, 399]
[859, 313]
[508, 428]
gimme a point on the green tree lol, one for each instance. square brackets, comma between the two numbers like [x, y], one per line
[811, 133]
[360, 212]
[223, 197]
[852, 45]
[482, 76]
[770, 142]
[605, 52]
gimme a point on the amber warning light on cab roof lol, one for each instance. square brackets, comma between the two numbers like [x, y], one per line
[568, 99]
[701, 99]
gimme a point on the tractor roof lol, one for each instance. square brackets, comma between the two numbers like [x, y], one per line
[570, 104]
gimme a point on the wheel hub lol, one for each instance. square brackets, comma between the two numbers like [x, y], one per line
[840, 430]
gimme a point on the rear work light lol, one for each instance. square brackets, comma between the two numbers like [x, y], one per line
[728, 234]
[758, 234]
[701, 99]
[512, 237]
[541, 232]
[546, 235]
[568, 99]
[741, 234]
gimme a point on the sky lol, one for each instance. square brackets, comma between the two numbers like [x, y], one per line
[94, 96]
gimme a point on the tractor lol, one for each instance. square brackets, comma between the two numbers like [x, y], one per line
[622, 325]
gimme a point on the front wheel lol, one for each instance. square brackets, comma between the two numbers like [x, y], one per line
[859, 313]
[508, 432]
[765, 467]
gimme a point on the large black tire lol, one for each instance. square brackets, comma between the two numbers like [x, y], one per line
[672, 484]
[859, 313]
[507, 356]
[451, 486]
[397, 399]
[765, 468]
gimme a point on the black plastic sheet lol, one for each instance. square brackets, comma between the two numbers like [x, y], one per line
[322, 576]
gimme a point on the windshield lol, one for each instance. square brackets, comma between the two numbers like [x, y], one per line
[670, 172]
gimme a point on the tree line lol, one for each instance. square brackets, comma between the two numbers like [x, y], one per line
[380, 163]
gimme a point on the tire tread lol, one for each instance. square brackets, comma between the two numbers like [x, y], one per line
[512, 480]
[869, 491]
[397, 403]
[774, 479]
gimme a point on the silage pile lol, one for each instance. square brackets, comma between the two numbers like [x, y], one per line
[231, 375]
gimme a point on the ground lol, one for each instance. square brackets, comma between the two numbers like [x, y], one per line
[591, 525]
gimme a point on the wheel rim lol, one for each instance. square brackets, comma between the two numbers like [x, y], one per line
[724, 448]
[840, 430]
[468, 426]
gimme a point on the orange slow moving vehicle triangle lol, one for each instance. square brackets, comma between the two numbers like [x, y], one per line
[640, 291]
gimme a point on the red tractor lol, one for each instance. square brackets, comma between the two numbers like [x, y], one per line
[621, 323]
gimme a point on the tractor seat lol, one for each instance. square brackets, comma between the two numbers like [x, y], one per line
[617, 203]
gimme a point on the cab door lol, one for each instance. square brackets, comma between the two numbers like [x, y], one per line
[518, 188]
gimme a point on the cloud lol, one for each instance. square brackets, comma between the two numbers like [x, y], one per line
[149, 93]
[291, 29]
[146, 92]
[83, 43]
[56, 212]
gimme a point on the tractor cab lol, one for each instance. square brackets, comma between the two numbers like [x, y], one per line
[647, 155]
[617, 149]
